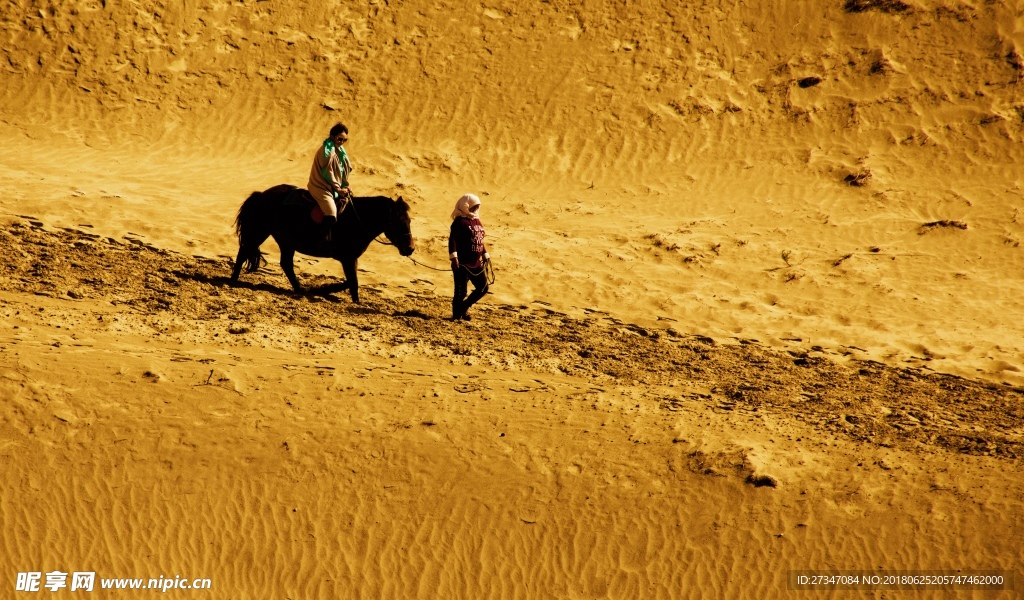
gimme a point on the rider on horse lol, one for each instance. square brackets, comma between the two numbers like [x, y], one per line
[328, 179]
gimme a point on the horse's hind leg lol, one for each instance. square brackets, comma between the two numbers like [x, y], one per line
[248, 254]
[252, 225]
[238, 265]
[287, 258]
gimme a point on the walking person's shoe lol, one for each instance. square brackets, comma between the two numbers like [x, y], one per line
[458, 312]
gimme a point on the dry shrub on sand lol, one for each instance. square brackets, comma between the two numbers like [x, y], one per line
[1016, 61]
[886, 6]
[882, 66]
[762, 480]
[944, 223]
[858, 179]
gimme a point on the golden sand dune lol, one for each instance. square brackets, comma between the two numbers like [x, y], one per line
[784, 159]
[758, 300]
[191, 301]
[160, 420]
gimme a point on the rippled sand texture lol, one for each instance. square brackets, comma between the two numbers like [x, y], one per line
[658, 160]
[735, 243]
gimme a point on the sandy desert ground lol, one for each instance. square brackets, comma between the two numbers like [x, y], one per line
[758, 300]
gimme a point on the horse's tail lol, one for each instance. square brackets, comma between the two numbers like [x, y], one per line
[251, 226]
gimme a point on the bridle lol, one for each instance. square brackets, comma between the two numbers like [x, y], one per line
[407, 234]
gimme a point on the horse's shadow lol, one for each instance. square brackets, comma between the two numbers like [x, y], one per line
[325, 291]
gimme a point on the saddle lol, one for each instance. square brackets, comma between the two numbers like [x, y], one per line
[301, 196]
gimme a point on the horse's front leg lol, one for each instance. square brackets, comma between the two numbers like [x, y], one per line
[287, 257]
[351, 279]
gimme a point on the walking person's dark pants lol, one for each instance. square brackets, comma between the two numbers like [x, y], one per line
[460, 303]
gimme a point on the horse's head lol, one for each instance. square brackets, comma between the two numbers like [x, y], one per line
[399, 228]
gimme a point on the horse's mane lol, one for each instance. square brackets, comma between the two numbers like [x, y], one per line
[372, 199]
[378, 200]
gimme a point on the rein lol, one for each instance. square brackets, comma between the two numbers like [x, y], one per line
[352, 203]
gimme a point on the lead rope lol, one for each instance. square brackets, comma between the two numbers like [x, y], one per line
[428, 266]
[487, 270]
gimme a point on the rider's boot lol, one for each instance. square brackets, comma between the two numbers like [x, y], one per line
[326, 227]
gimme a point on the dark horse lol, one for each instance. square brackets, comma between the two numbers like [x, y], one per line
[283, 212]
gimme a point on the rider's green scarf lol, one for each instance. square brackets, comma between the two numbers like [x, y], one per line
[343, 158]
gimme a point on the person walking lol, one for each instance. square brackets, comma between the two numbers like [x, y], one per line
[468, 255]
